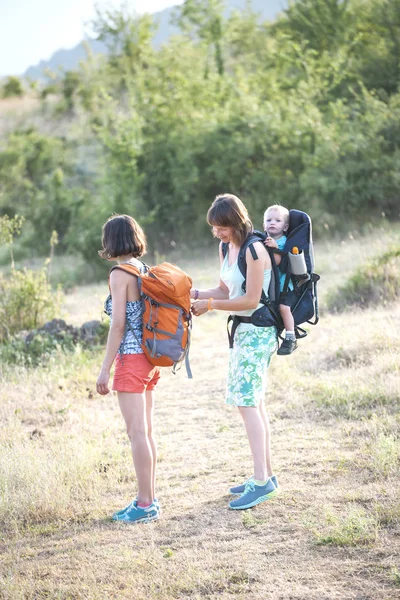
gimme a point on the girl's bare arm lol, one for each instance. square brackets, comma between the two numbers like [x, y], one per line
[118, 284]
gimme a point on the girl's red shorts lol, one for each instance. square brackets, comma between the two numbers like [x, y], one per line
[134, 374]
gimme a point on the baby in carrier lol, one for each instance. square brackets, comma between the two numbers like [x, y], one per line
[276, 224]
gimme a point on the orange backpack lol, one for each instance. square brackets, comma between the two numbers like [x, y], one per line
[167, 320]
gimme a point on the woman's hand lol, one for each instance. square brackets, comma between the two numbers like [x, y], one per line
[102, 382]
[270, 242]
[199, 307]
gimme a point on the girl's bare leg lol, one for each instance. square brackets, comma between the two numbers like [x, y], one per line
[133, 408]
[152, 441]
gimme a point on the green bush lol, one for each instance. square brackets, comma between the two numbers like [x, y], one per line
[12, 87]
[38, 351]
[376, 282]
[27, 301]
[53, 342]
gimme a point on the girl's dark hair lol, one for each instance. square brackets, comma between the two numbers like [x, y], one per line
[122, 235]
[228, 210]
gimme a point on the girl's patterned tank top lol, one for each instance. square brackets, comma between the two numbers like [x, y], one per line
[133, 328]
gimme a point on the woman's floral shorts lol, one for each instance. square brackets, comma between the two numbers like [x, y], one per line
[248, 362]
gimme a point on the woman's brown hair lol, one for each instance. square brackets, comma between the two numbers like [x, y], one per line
[122, 236]
[228, 210]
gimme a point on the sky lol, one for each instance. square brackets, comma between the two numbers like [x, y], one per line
[32, 30]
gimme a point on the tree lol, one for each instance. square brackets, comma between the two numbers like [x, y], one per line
[378, 56]
[324, 25]
[35, 182]
[128, 39]
[69, 86]
[204, 18]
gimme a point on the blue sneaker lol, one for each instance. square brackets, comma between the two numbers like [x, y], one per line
[119, 513]
[136, 514]
[254, 494]
[239, 489]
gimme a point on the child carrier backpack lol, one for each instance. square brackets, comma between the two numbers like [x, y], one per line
[167, 320]
[305, 304]
[299, 249]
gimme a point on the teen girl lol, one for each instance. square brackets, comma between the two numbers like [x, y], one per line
[253, 346]
[135, 378]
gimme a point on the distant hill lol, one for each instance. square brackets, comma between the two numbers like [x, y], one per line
[64, 59]
[69, 59]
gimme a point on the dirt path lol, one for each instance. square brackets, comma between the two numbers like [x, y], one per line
[333, 532]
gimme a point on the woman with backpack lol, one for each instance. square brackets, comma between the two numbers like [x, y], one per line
[252, 347]
[135, 377]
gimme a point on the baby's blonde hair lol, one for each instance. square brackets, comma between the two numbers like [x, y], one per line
[281, 209]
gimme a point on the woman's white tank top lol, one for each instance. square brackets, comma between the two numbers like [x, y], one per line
[233, 279]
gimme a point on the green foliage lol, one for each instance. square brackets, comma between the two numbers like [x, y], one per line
[26, 297]
[8, 229]
[12, 87]
[26, 301]
[380, 456]
[204, 19]
[395, 576]
[354, 528]
[128, 40]
[353, 403]
[324, 25]
[384, 455]
[304, 111]
[52, 342]
[378, 55]
[376, 282]
[47, 90]
[38, 351]
[38, 181]
[69, 87]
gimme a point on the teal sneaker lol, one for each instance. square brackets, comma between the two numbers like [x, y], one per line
[254, 494]
[116, 516]
[239, 489]
[119, 513]
[136, 514]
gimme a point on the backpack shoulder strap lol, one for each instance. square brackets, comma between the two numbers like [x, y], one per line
[254, 236]
[128, 268]
[257, 236]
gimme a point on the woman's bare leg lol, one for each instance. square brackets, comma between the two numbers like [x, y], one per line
[265, 418]
[256, 433]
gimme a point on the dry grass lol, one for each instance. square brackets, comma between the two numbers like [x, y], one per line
[14, 112]
[333, 533]
[31, 111]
